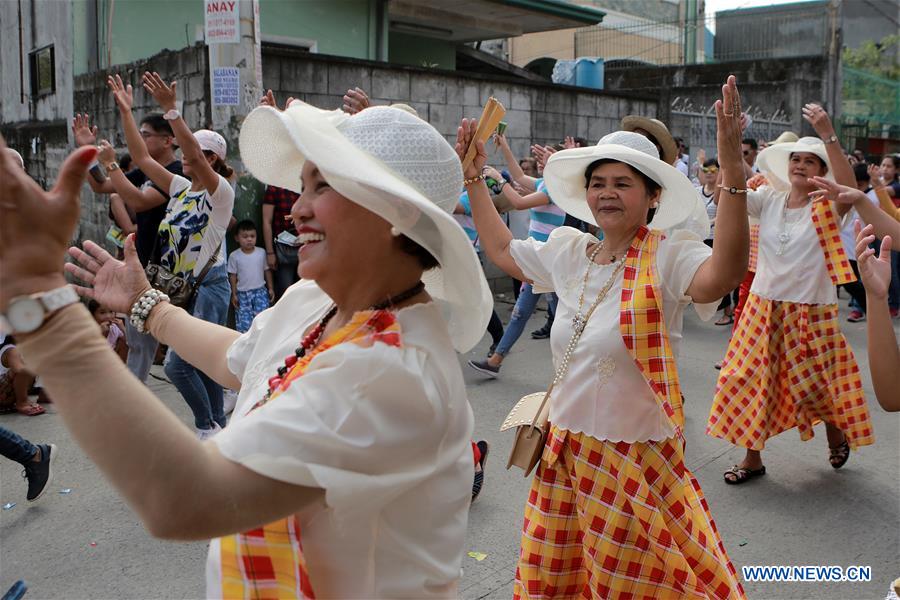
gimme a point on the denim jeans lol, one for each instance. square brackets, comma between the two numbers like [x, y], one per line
[14, 447]
[522, 311]
[285, 274]
[202, 394]
[141, 351]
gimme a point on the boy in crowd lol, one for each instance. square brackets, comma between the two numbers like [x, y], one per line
[250, 276]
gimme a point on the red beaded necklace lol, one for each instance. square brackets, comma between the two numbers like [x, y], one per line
[311, 339]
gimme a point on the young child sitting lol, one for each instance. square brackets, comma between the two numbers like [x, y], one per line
[251, 279]
[17, 382]
[113, 329]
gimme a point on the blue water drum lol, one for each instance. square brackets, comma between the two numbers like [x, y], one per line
[589, 72]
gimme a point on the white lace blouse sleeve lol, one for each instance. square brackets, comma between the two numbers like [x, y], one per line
[536, 259]
[678, 259]
[360, 423]
[756, 199]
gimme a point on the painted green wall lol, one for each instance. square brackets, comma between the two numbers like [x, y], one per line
[141, 28]
[420, 51]
[340, 27]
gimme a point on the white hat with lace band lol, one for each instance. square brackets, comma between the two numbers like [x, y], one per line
[395, 165]
[564, 176]
[775, 161]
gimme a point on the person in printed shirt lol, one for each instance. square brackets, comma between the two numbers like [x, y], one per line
[545, 217]
[788, 365]
[613, 512]
[191, 237]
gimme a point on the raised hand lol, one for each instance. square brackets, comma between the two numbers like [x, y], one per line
[269, 100]
[542, 154]
[37, 226]
[85, 135]
[163, 93]
[829, 190]
[569, 143]
[492, 173]
[875, 272]
[123, 94]
[728, 124]
[113, 283]
[355, 100]
[107, 153]
[816, 116]
[465, 133]
[875, 176]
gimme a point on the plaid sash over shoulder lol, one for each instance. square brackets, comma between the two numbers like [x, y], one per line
[267, 563]
[643, 326]
[828, 230]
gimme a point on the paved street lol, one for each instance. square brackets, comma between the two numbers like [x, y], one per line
[88, 544]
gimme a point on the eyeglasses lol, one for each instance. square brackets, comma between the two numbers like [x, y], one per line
[712, 169]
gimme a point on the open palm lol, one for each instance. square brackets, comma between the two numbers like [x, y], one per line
[113, 283]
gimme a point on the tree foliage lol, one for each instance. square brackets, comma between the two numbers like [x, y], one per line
[879, 58]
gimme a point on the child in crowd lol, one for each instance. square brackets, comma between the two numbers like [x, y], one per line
[111, 326]
[17, 382]
[250, 276]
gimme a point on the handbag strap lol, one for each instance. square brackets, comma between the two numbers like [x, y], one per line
[212, 260]
[576, 335]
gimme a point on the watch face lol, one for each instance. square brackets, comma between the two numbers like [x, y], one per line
[25, 315]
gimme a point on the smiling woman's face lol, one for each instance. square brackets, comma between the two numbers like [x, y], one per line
[337, 234]
[618, 198]
[804, 165]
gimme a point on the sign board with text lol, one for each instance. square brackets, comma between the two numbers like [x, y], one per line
[226, 86]
[223, 23]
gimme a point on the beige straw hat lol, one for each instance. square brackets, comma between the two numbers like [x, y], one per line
[657, 129]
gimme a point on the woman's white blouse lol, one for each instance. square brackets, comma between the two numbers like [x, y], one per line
[384, 431]
[604, 394]
[799, 274]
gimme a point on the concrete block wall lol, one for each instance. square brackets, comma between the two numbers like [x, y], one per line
[536, 113]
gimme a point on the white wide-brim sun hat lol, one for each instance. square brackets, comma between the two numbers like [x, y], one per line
[774, 161]
[397, 166]
[564, 176]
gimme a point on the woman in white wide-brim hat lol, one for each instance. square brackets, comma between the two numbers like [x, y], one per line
[788, 364]
[347, 468]
[613, 512]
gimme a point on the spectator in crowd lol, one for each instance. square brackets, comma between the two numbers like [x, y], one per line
[250, 277]
[750, 149]
[280, 237]
[36, 459]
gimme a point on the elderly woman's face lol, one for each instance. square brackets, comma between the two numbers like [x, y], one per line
[804, 165]
[336, 234]
[618, 197]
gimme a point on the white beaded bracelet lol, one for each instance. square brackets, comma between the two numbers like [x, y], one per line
[140, 310]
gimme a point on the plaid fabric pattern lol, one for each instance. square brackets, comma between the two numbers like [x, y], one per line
[754, 247]
[282, 200]
[615, 520]
[265, 563]
[268, 563]
[788, 365]
[828, 228]
[643, 325]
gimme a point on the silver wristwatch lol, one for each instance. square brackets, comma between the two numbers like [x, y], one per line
[27, 313]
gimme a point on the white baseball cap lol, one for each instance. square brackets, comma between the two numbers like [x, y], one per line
[211, 141]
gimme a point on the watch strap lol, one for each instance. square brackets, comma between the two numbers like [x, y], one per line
[58, 298]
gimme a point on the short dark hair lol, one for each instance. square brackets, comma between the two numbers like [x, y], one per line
[709, 162]
[125, 162]
[426, 260]
[158, 124]
[750, 142]
[245, 225]
[580, 142]
[861, 172]
[93, 306]
[652, 186]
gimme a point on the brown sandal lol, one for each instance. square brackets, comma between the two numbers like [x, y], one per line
[839, 455]
[742, 475]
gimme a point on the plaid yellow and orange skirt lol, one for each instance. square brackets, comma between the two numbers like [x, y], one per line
[619, 520]
[788, 365]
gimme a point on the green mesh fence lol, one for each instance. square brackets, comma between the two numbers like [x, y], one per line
[870, 100]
